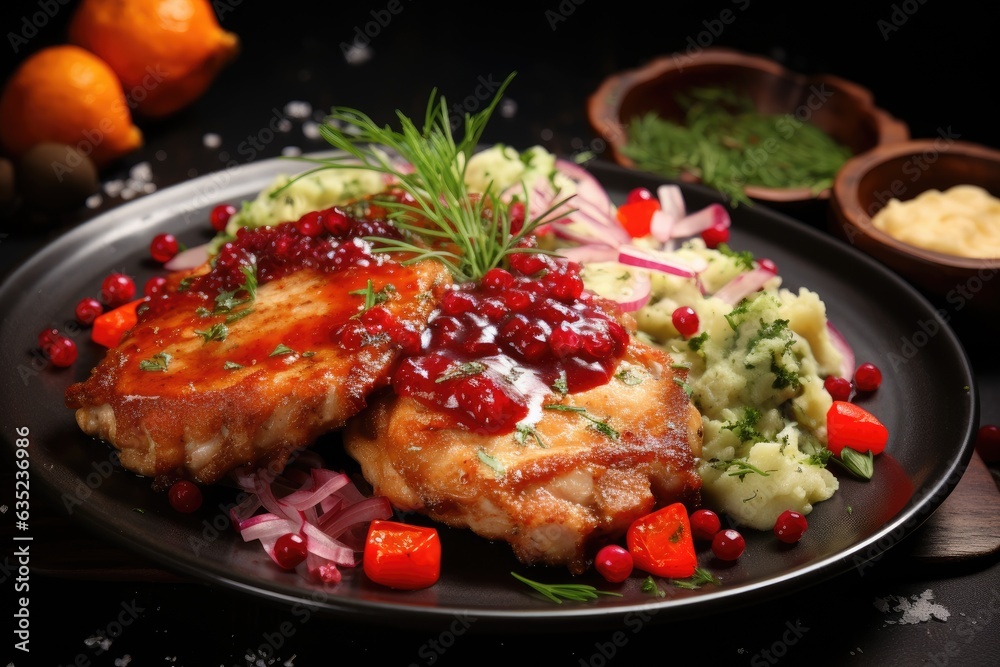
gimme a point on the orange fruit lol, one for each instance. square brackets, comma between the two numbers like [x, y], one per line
[67, 95]
[166, 52]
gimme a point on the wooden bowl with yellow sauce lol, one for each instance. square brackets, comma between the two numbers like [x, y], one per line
[930, 210]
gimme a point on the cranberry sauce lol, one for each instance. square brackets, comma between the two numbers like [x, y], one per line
[326, 241]
[494, 350]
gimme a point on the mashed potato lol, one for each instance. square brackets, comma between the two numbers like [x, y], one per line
[756, 375]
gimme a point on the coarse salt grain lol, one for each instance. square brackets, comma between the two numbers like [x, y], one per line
[298, 109]
[915, 609]
[211, 140]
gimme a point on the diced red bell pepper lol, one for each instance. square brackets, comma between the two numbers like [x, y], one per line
[637, 216]
[850, 425]
[661, 543]
[402, 556]
[109, 327]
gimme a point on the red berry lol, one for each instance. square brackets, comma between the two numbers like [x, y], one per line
[154, 286]
[705, 524]
[220, 216]
[614, 563]
[61, 351]
[639, 194]
[867, 377]
[498, 279]
[48, 336]
[336, 222]
[685, 321]
[839, 388]
[988, 443]
[163, 247]
[790, 526]
[290, 550]
[310, 224]
[728, 544]
[184, 496]
[87, 310]
[715, 235]
[117, 289]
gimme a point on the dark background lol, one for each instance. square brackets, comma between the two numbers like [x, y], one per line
[931, 65]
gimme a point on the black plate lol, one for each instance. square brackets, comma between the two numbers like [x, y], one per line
[928, 401]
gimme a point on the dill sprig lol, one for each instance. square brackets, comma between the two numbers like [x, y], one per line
[468, 232]
[558, 592]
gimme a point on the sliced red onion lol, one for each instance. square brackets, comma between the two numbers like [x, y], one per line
[671, 201]
[699, 221]
[744, 285]
[591, 252]
[642, 290]
[587, 185]
[322, 505]
[662, 226]
[643, 259]
[189, 258]
[846, 351]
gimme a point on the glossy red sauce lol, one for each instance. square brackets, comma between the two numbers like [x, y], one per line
[491, 351]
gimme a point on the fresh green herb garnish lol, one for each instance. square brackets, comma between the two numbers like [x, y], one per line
[158, 362]
[470, 233]
[649, 586]
[743, 468]
[743, 258]
[372, 298]
[684, 385]
[559, 592]
[701, 576]
[232, 366]
[746, 427]
[727, 144]
[598, 425]
[860, 465]
[560, 385]
[491, 462]
[465, 369]
[219, 331]
[695, 343]
[280, 350]
[522, 432]
[629, 377]
[238, 315]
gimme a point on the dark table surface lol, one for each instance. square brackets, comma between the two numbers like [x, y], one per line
[923, 61]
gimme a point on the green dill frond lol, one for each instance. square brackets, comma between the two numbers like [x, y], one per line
[469, 232]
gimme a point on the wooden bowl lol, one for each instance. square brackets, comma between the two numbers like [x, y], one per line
[867, 182]
[842, 109]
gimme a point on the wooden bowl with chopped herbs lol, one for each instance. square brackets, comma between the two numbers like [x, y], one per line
[739, 123]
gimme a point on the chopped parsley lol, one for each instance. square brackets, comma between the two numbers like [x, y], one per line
[629, 377]
[560, 385]
[158, 362]
[232, 366]
[684, 385]
[281, 350]
[743, 259]
[218, 331]
[860, 465]
[695, 343]
[746, 427]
